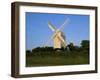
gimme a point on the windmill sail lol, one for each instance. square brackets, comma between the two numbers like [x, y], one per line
[51, 26]
[62, 26]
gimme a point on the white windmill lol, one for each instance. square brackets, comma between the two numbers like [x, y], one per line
[58, 36]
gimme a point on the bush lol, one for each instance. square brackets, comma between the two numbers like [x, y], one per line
[50, 51]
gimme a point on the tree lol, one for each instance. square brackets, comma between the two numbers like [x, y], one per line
[28, 51]
[71, 46]
[85, 44]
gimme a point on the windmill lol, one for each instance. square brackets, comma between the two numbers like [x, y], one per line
[58, 36]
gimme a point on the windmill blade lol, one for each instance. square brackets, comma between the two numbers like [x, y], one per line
[49, 40]
[63, 25]
[51, 26]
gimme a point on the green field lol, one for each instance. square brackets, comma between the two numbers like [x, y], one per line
[57, 58]
[48, 56]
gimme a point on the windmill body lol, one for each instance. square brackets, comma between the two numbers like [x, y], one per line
[57, 41]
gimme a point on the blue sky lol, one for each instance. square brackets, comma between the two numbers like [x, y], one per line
[38, 32]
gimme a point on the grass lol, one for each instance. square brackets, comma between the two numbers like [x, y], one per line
[57, 58]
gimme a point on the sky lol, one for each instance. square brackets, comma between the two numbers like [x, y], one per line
[38, 32]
